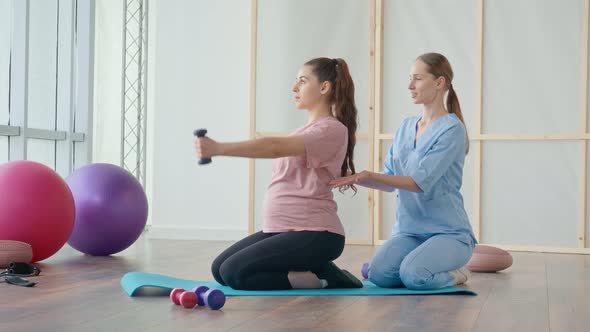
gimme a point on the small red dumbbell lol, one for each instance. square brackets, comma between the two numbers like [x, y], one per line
[175, 295]
[187, 299]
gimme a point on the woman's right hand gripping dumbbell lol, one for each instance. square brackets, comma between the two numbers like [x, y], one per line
[204, 146]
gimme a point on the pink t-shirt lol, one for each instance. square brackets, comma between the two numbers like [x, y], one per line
[298, 197]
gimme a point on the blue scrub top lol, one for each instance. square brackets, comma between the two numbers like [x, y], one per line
[435, 163]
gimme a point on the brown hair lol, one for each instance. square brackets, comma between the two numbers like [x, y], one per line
[336, 72]
[439, 66]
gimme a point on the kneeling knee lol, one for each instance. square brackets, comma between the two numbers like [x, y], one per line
[216, 271]
[229, 275]
[416, 277]
[383, 278]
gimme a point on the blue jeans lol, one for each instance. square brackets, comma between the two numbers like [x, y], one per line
[419, 263]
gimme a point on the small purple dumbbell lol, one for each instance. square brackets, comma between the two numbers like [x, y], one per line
[365, 270]
[200, 290]
[213, 298]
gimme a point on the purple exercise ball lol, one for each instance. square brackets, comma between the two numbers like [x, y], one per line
[111, 209]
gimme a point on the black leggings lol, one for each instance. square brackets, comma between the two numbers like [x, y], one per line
[262, 261]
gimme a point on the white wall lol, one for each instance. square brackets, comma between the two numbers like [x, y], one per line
[5, 40]
[5, 36]
[201, 76]
[195, 79]
[532, 76]
[289, 34]
[108, 85]
[108, 68]
[412, 28]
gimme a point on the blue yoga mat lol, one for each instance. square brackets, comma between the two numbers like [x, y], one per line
[132, 282]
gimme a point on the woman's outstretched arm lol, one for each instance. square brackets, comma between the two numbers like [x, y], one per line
[378, 181]
[264, 147]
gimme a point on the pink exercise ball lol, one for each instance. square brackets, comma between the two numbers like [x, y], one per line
[36, 207]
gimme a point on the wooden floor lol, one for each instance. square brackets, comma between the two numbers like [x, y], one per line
[540, 292]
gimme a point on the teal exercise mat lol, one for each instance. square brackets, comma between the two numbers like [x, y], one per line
[132, 282]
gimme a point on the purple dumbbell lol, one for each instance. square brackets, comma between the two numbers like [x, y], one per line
[365, 270]
[213, 298]
[200, 290]
[202, 133]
